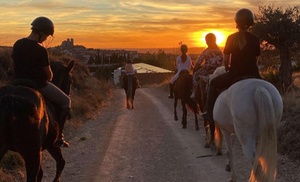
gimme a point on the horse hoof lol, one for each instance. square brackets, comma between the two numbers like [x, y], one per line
[213, 147]
[197, 128]
[184, 126]
[227, 168]
[175, 118]
[219, 152]
[206, 145]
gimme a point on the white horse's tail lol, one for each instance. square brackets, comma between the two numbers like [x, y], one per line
[265, 162]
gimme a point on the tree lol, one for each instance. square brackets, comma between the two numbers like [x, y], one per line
[280, 28]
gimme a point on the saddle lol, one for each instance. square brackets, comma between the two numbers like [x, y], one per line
[237, 79]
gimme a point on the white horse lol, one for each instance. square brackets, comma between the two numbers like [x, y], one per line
[251, 109]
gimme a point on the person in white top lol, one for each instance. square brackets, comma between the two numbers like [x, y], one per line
[129, 68]
[183, 62]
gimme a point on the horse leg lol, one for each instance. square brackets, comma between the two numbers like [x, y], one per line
[175, 106]
[196, 122]
[32, 163]
[194, 107]
[3, 148]
[207, 133]
[218, 142]
[127, 102]
[230, 165]
[60, 162]
[212, 135]
[184, 114]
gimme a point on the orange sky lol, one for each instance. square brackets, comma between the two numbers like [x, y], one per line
[126, 23]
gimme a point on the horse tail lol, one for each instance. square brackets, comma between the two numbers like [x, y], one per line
[265, 162]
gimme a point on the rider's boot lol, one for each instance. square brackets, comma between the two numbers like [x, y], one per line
[63, 115]
[171, 91]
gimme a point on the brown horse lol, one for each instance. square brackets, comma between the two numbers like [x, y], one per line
[182, 91]
[201, 99]
[25, 126]
[130, 85]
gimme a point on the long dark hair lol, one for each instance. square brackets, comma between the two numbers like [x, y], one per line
[183, 49]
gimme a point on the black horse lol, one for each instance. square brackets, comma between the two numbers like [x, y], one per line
[130, 85]
[201, 99]
[182, 90]
[27, 125]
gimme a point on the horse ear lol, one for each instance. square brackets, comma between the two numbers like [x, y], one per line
[71, 65]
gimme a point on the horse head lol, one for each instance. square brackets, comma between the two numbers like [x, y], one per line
[62, 76]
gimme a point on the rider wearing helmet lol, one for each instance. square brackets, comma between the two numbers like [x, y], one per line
[31, 62]
[240, 58]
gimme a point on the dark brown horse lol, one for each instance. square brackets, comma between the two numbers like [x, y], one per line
[201, 99]
[130, 85]
[182, 91]
[25, 126]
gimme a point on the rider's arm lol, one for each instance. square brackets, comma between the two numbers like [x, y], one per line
[227, 61]
[48, 72]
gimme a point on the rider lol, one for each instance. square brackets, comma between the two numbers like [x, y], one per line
[240, 58]
[183, 62]
[209, 59]
[31, 62]
[129, 70]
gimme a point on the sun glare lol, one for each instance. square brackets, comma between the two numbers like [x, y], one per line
[220, 35]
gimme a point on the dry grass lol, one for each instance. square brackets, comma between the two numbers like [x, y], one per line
[88, 95]
[289, 127]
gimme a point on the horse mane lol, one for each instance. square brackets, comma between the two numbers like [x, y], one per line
[24, 83]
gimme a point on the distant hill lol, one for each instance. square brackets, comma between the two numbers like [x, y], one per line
[192, 50]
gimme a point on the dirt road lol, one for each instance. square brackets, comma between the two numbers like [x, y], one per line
[146, 144]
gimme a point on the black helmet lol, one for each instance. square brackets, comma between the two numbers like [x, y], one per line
[244, 18]
[43, 24]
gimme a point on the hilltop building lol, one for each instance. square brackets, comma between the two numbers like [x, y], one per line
[69, 43]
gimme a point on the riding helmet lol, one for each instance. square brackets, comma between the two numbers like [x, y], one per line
[43, 24]
[244, 18]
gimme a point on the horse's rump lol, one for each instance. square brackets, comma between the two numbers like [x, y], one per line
[21, 112]
[251, 109]
[134, 81]
[184, 85]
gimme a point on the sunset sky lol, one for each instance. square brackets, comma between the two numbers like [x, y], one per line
[127, 23]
